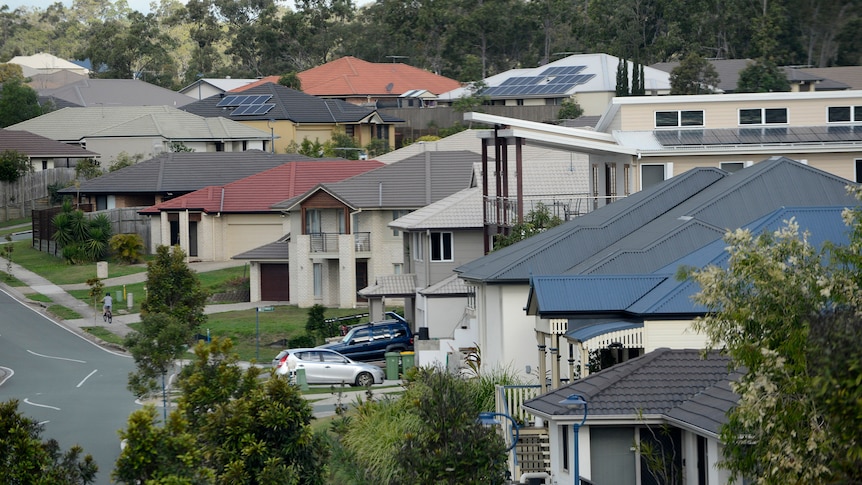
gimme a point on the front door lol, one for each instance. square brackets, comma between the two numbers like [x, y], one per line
[361, 278]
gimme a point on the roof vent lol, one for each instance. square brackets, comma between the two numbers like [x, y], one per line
[389, 87]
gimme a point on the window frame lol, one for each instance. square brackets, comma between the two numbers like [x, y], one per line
[854, 113]
[680, 118]
[445, 240]
[764, 116]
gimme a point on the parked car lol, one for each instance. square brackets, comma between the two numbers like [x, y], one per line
[371, 341]
[324, 366]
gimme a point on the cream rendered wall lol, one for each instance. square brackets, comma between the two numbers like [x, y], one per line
[243, 232]
[109, 148]
[254, 282]
[595, 103]
[674, 334]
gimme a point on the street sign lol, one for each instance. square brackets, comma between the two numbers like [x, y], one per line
[267, 308]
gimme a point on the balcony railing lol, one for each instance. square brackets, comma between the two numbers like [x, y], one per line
[504, 211]
[327, 242]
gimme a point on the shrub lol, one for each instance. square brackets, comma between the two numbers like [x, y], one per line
[128, 248]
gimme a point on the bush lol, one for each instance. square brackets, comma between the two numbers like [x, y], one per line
[128, 248]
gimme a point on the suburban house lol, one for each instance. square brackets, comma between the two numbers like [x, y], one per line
[44, 153]
[110, 92]
[291, 116]
[589, 79]
[206, 87]
[636, 235]
[673, 398]
[144, 130]
[377, 85]
[44, 63]
[218, 222]
[848, 75]
[337, 241]
[172, 174]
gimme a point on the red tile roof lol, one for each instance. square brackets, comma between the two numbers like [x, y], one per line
[260, 191]
[350, 76]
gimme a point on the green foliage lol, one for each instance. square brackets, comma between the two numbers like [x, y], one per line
[291, 80]
[161, 340]
[693, 75]
[83, 240]
[377, 146]
[473, 99]
[11, 72]
[13, 165]
[456, 128]
[54, 193]
[88, 168]
[311, 148]
[316, 324]
[622, 86]
[762, 76]
[128, 248]
[341, 145]
[25, 458]
[570, 109]
[180, 147]
[174, 289]
[6, 253]
[536, 221]
[124, 160]
[18, 102]
[788, 316]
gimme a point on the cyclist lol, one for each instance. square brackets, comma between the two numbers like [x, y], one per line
[106, 307]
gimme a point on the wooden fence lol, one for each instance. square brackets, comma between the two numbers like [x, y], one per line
[30, 192]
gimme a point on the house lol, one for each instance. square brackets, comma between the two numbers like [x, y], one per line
[378, 85]
[172, 174]
[674, 398]
[636, 235]
[589, 79]
[44, 63]
[848, 75]
[337, 240]
[43, 153]
[206, 87]
[291, 116]
[111, 92]
[145, 130]
[218, 222]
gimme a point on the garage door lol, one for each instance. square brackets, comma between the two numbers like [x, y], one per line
[274, 282]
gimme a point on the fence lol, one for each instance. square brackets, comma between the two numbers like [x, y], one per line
[30, 192]
[124, 220]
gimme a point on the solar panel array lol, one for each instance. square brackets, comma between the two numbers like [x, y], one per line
[760, 135]
[244, 99]
[553, 80]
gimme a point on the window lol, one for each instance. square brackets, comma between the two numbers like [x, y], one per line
[398, 268]
[312, 221]
[678, 118]
[350, 130]
[395, 215]
[565, 448]
[858, 170]
[651, 175]
[761, 116]
[732, 166]
[317, 269]
[844, 114]
[418, 246]
[441, 246]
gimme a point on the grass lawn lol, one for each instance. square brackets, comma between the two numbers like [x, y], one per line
[64, 313]
[55, 270]
[39, 297]
[104, 334]
[10, 280]
[8, 227]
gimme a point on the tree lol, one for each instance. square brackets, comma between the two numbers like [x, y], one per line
[693, 75]
[83, 240]
[291, 80]
[570, 109]
[473, 99]
[10, 72]
[25, 458]
[13, 165]
[128, 248]
[88, 168]
[316, 324]
[787, 315]
[622, 87]
[762, 76]
[174, 289]
[124, 160]
[18, 102]
[537, 220]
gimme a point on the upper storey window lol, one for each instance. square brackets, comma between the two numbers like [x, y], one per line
[844, 114]
[763, 116]
[678, 118]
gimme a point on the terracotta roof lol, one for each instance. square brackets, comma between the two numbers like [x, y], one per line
[350, 76]
[34, 145]
[259, 82]
[258, 192]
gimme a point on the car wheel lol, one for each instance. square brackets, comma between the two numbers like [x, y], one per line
[364, 379]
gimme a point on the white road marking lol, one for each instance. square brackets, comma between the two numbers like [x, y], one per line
[44, 422]
[85, 379]
[11, 373]
[58, 358]
[40, 405]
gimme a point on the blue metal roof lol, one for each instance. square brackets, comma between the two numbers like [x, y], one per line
[585, 333]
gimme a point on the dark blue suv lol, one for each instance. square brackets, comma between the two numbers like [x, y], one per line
[371, 341]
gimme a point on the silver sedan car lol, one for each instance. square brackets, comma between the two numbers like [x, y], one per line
[324, 366]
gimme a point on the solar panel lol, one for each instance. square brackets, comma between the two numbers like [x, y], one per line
[240, 110]
[227, 101]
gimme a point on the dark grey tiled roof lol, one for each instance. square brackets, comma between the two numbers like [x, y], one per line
[672, 383]
[274, 251]
[34, 145]
[290, 105]
[411, 183]
[623, 237]
[184, 172]
[393, 285]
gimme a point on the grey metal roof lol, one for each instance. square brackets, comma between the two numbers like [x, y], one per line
[183, 172]
[394, 285]
[568, 295]
[678, 384]
[409, 184]
[115, 92]
[34, 145]
[632, 228]
[290, 105]
[274, 251]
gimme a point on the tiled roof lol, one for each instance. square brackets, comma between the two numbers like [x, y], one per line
[706, 200]
[394, 285]
[116, 92]
[680, 384]
[184, 172]
[290, 105]
[274, 251]
[350, 76]
[34, 145]
[461, 210]
[449, 286]
[849, 75]
[409, 184]
[75, 124]
[256, 193]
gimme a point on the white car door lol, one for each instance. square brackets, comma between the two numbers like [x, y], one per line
[337, 368]
[310, 360]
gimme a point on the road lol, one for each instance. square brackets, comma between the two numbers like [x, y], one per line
[76, 388]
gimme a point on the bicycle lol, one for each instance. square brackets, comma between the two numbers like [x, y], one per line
[108, 315]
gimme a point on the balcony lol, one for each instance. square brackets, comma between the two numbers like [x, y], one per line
[328, 242]
[503, 211]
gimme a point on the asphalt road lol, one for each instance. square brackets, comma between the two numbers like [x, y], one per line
[76, 388]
